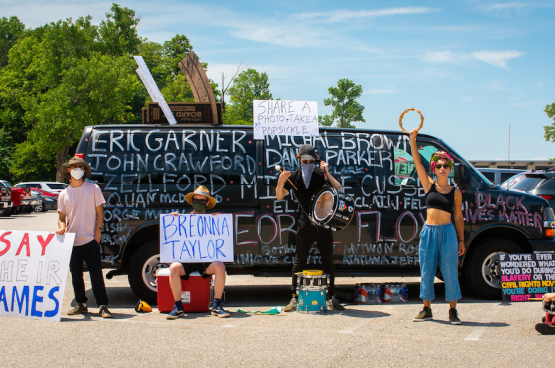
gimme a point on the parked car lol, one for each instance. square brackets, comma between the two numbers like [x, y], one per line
[47, 186]
[22, 201]
[538, 182]
[145, 170]
[48, 201]
[5, 201]
[498, 176]
[509, 183]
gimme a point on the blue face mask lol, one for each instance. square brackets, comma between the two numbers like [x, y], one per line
[307, 173]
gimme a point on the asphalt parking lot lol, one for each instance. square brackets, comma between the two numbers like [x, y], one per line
[492, 333]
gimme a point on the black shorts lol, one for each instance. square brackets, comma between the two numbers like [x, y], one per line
[192, 267]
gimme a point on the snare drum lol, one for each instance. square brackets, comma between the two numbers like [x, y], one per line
[312, 280]
[332, 209]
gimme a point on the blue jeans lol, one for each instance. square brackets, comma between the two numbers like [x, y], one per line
[438, 243]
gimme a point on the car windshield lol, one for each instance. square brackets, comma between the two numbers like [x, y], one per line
[5, 183]
[509, 183]
[56, 186]
[484, 179]
[529, 182]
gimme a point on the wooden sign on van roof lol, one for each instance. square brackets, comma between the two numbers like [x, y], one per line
[202, 90]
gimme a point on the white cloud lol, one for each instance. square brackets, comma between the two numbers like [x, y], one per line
[497, 58]
[503, 7]
[346, 15]
[439, 57]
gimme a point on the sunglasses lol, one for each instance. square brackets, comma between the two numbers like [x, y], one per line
[199, 201]
[307, 161]
[445, 166]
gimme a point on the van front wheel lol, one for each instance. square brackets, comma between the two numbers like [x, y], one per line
[142, 271]
[482, 268]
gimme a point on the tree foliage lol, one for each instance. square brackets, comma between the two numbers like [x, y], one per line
[550, 129]
[248, 86]
[343, 99]
[62, 77]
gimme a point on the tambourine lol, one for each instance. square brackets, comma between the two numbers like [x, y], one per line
[403, 114]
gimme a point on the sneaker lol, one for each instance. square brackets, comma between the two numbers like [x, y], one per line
[545, 329]
[333, 304]
[424, 315]
[104, 312]
[79, 309]
[454, 317]
[175, 313]
[220, 312]
[292, 306]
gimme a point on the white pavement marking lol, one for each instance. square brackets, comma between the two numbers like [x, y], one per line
[477, 332]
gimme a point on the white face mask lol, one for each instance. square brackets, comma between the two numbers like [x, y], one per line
[77, 173]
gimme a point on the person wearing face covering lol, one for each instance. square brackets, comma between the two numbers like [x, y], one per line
[81, 211]
[201, 201]
[308, 179]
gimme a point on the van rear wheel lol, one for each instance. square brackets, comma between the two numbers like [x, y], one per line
[142, 271]
[482, 270]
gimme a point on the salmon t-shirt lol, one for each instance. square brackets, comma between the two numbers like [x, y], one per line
[79, 205]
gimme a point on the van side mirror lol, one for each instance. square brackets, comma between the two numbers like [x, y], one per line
[458, 175]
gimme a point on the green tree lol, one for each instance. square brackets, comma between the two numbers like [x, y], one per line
[248, 86]
[62, 77]
[550, 129]
[346, 109]
[11, 30]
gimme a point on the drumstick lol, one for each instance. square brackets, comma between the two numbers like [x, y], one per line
[290, 182]
[539, 299]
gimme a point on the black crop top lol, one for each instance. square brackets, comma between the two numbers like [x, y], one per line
[440, 201]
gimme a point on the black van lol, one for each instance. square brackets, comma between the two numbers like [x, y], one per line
[146, 170]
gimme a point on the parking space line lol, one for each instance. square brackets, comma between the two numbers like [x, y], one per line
[476, 333]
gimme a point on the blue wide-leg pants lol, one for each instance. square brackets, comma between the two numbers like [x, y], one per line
[438, 244]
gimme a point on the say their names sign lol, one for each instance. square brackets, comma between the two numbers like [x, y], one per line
[282, 117]
[33, 272]
[196, 238]
[525, 276]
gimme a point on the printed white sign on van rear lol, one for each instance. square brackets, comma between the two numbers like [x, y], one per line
[33, 272]
[196, 238]
[282, 117]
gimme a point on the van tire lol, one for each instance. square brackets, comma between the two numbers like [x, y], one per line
[482, 266]
[5, 212]
[142, 271]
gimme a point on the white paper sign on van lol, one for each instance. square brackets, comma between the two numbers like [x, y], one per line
[196, 238]
[282, 117]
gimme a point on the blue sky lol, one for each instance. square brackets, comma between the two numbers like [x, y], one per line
[471, 67]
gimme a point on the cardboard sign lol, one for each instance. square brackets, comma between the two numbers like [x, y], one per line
[152, 88]
[196, 238]
[281, 117]
[33, 272]
[525, 276]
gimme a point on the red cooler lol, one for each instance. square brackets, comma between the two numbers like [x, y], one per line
[195, 292]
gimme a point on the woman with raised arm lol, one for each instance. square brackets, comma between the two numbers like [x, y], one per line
[439, 241]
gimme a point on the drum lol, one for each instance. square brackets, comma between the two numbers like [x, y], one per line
[312, 280]
[312, 300]
[312, 290]
[332, 209]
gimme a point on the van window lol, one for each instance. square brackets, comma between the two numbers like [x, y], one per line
[489, 175]
[228, 155]
[405, 171]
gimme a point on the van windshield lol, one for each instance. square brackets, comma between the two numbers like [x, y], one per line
[469, 165]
